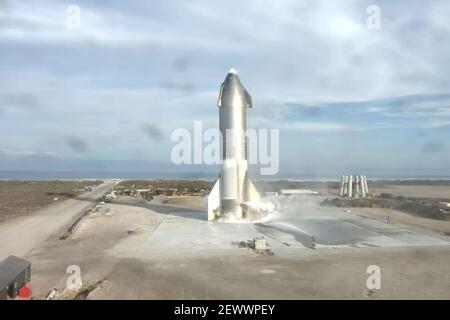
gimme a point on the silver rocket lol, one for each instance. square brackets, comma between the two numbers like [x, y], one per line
[233, 190]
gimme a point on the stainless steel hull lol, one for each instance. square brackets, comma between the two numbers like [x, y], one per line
[233, 188]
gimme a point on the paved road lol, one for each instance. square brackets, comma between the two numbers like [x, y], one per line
[20, 235]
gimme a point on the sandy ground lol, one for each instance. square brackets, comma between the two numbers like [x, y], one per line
[19, 198]
[395, 216]
[194, 201]
[126, 250]
[415, 191]
[134, 249]
[343, 275]
[96, 245]
[20, 235]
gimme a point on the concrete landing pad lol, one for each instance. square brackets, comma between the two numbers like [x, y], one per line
[304, 228]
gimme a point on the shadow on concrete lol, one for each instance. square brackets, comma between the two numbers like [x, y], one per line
[175, 210]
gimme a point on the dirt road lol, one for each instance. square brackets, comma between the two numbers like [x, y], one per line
[20, 235]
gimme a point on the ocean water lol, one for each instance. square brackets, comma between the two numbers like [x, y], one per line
[103, 175]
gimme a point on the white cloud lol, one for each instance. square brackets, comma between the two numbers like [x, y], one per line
[8, 153]
[319, 126]
[100, 84]
[436, 123]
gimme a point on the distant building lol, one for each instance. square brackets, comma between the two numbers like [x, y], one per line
[444, 205]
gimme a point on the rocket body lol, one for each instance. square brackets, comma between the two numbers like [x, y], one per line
[233, 188]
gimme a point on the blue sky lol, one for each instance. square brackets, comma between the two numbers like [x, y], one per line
[110, 94]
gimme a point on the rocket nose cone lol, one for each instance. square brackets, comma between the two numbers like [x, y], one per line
[233, 92]
[232, 78]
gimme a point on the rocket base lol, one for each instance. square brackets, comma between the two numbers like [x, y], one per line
[229, 209]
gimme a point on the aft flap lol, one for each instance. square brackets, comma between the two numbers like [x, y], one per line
[251, 193]
[219, 100]
[214, 202]
[248, 99]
